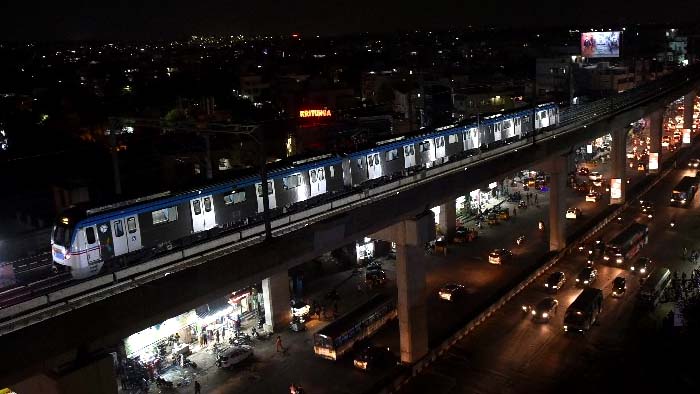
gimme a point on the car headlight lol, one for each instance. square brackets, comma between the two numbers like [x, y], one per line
[525, 308]
[614, 292]
[643, 270]
[554, 287]
[618, 260]
[545, 315]
[546, 285]
[577, 280]
[632, 268]
[585, 282]
[566, 328]
[534, 312]
[606, 258]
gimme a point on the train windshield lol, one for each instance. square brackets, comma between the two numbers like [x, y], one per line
[61, 235]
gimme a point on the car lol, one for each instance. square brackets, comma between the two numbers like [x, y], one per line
[619, 286]
[647, 210]
[555, 281]
[592, 196]
[375, 277]
[587, 276]
[694, 163]
[573, 213]
[642, 266]
[544, 310]
[595, 176]
[583, 171]
[500, 256]
[370, 357]
[582, 187]
[233, 355]
[451, 291]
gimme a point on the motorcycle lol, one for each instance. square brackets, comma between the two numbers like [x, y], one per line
[261, 336]
[520, 240]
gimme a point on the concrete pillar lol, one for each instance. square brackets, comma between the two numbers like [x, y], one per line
[410, 237]
[276, 299]
[618, 164]
[656, 131]
[688, 101]
[448, 219]
[95, 377]
[557, 203]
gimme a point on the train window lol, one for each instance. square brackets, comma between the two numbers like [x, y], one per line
[207, 204]
[376, 159]
[196, 205]
[332, 171]
[454, 138]
[370, 161]
[294, 180]
[392, 154]
[425, 146]
[167, 214]
[131, 225]
[321, 175]
[118, 228]
[359, 162]
[270, 190]
[235, 197]
[406, 150]
[90, 235]
[313, 176]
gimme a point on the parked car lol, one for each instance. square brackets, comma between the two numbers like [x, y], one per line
[555, 281]
[544, 310]
[371, 357]
[642, 266]
[595, 176]
[587, 276]
[573, 213]
[234, 355]
[592, 196]
[451, 291]
[619, 286]
[500, 256]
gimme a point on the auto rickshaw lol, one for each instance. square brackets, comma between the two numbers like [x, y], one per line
[504, 214]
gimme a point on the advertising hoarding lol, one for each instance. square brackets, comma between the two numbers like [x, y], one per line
[686, 136]
[653, 161]
[615, 188]
[600, 44]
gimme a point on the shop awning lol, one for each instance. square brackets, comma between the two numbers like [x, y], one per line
[212, 308]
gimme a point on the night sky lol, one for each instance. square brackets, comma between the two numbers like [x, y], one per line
[161, 19]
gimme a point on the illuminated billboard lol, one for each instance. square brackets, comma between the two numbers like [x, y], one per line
[615, 188]
[600, 44]
[686, 136]
[653, 161]
[314, 113]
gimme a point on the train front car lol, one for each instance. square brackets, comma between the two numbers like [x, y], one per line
[71, 247]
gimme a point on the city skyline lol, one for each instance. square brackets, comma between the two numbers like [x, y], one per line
[134, 20]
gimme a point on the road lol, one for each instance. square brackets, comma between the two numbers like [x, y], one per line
[512, 354]
[465, 263]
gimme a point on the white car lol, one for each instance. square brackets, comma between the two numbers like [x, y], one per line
[595, 176]
[233, 355]
[573, 213]
[592, 197]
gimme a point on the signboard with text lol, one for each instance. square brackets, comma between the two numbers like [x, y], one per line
[600, 44]
[615, 188]
[653, 161]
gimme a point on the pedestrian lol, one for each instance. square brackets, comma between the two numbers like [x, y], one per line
[197, 387]
[515, 212]
[685, 251]
[223, 332]
[278, 344]
[535, 198]
[217, 336]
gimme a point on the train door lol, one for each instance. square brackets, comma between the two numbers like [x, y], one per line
[374, 168]
[516, 126]
[203, 215]
[497, 128]
[133, 233]
[409, 156]
[440, 147]
[92, 244]
[474, 137]
[272, 202]
[119, 238]
[317, 181]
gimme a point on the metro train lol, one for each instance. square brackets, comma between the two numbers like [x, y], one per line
[84, 239]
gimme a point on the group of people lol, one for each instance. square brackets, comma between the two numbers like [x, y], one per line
[218, 334]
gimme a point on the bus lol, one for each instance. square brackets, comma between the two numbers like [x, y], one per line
[584, 311]
[627, 243]
[338, 337]
[654, 286]
[684, 191]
